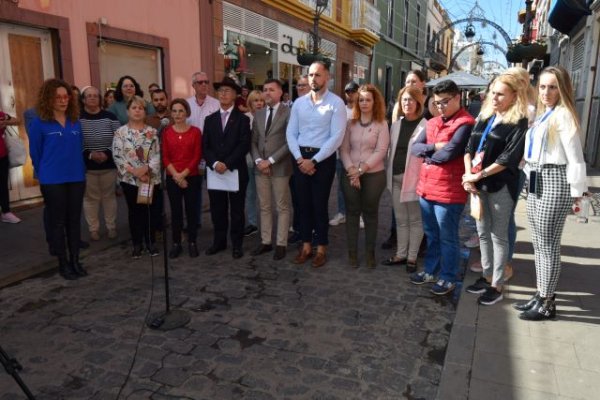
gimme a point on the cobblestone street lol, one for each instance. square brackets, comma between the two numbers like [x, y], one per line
[260, 329]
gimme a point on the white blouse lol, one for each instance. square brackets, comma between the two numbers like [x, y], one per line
[564, 150]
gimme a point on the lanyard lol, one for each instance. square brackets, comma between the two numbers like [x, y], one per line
[487, 130]
[532, 132]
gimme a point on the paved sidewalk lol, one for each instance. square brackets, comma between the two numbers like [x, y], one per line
[492, 354]
[259, 329]
[23, 248]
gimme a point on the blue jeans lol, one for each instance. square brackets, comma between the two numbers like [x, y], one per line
[440, 223]
[341, 172]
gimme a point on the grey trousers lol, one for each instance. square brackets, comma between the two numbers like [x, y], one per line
[409, 225]
[493, 233]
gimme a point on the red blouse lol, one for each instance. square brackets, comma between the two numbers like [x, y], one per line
[182, 149]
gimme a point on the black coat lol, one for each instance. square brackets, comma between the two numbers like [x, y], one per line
[505, 145]
[230, 145]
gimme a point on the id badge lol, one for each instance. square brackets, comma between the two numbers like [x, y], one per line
[476, 163]
[533, 182]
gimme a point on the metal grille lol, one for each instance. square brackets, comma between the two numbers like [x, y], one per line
[250, 23]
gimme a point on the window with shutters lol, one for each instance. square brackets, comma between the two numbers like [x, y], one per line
[577, 59]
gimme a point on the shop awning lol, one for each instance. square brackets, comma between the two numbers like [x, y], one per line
[565, 14]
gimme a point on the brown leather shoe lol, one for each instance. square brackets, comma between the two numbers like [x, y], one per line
[319, 260]
[302, 257]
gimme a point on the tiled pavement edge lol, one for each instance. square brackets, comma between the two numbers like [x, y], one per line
[492, 354]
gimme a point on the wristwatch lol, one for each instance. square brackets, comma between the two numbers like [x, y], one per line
[314, 161]
[484, 173]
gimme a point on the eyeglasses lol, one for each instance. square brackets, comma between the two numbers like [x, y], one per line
[443, 103]
[202, 82]
[408, 100]
[63, 97]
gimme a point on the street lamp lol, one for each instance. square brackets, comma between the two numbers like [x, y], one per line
[470, 32]
[305, 58]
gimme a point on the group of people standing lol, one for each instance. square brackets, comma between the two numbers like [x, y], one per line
[432, 158]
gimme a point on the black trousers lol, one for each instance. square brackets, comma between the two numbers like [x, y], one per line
[143, 218]
[64, 202]
[4, 195]
[232, 203]
[313, 198]
[177, 198]
[295, 205]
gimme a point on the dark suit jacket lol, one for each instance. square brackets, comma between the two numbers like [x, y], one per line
[273, 143]
[228, 145]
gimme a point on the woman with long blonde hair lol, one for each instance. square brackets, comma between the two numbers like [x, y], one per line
[492, 160]
[557, 178]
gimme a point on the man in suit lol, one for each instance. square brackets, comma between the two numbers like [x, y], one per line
[271, 154]
[225, 142]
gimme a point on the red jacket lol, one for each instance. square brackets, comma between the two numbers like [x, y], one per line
[443, 182]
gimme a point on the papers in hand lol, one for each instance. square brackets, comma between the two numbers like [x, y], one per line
[227, 181]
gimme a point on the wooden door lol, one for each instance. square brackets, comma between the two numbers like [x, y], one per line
[29, 62]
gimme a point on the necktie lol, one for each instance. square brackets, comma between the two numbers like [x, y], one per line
[269, 120]
[224, 119]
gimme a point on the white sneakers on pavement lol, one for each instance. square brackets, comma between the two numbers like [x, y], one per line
[10, 218]
[338, 219]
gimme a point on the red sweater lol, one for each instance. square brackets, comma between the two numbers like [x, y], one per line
[183, 150]
[442, 182]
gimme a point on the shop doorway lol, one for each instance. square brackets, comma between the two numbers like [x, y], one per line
[29, 61]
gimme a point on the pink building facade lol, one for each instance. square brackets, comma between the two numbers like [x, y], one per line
[90, 42]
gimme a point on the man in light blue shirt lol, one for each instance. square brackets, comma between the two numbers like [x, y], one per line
[315, 131]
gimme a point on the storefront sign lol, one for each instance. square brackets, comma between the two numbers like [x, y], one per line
[290, 42]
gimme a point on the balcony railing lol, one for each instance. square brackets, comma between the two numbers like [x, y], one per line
[365, 16]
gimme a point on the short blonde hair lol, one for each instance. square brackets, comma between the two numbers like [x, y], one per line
[136, 100]
[252, 97]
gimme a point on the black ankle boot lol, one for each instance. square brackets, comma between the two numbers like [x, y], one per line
[528, 305]
[65, 269]
[175, 250]
[352, 259]
[391, 241]
[78, 267]
[544, 309]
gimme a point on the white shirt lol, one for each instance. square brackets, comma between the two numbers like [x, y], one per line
[565, 149]
[274, 111]
[199, 113]
[228, 111]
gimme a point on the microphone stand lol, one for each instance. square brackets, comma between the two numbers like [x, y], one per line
[12, 366]
[169, 319]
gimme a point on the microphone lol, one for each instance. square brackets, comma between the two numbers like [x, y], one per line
[164, 122]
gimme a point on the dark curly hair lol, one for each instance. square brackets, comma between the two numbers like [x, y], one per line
[46, 97]
[119, 91]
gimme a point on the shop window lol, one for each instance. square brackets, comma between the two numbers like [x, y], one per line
[249, 60]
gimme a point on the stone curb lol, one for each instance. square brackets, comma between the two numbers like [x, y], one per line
[456, 373]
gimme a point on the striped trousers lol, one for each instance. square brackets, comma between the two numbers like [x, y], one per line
[547, 212]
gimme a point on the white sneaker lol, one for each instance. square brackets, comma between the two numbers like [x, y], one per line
[10, 218]
[362, 223]
[472, 242]
[476, 267]
[339, 218]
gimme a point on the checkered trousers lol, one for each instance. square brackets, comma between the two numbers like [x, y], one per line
[547, 212]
